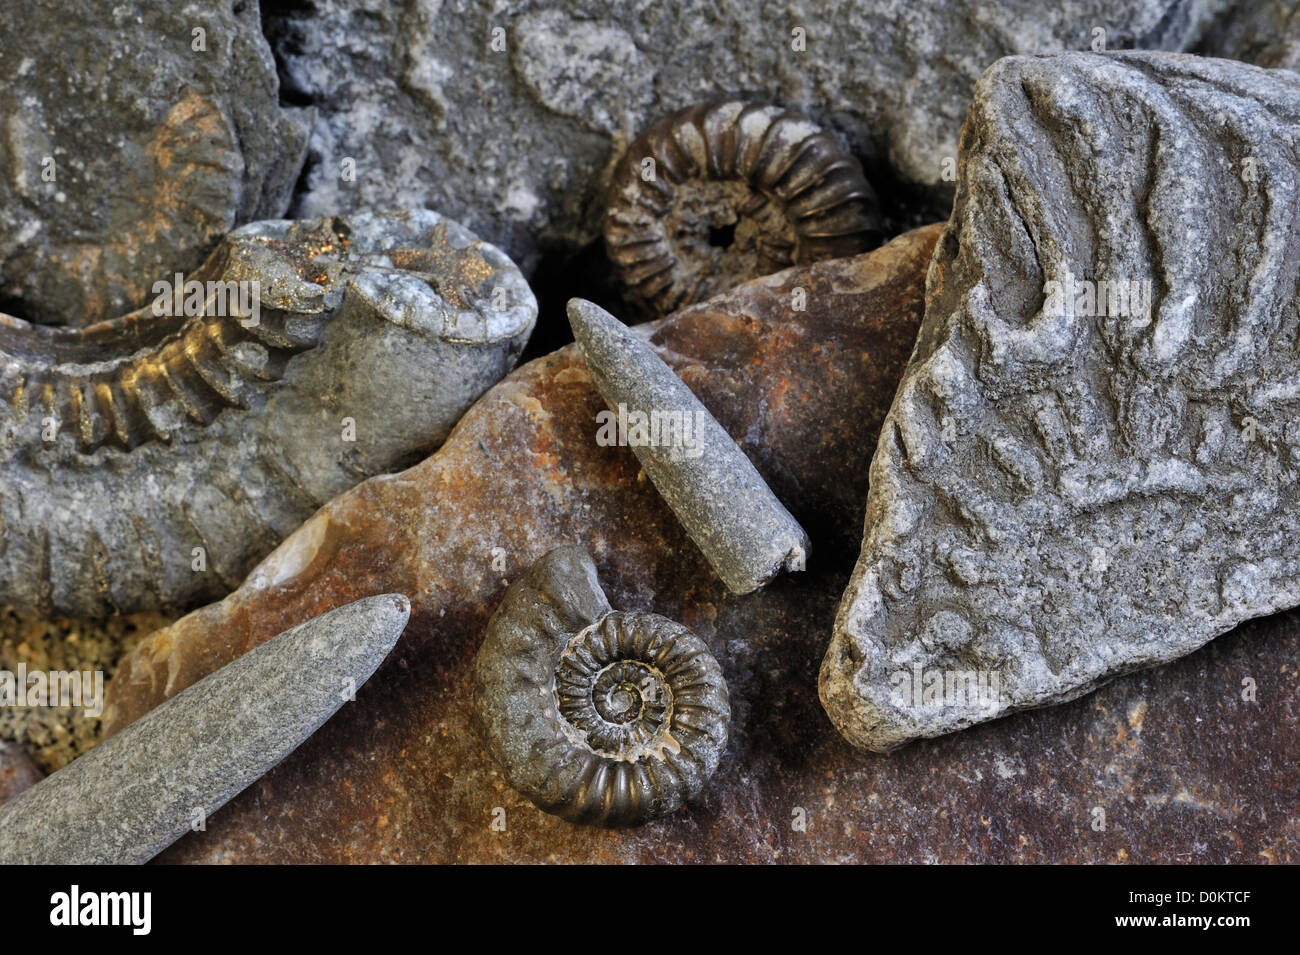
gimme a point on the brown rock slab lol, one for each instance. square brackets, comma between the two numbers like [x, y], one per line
[1184, 768]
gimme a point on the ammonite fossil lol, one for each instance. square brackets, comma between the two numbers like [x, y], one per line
[150, 461]
[723, 192]
[136, 136]
[607, 718]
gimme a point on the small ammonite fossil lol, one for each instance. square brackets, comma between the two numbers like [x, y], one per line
[724, 192]
[603, 717]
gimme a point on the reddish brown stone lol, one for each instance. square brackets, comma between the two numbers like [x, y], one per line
[1183, 767]
[17, 772]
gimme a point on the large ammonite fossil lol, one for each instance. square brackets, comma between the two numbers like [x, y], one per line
[151, 460]
[603, 717]
[723, 192]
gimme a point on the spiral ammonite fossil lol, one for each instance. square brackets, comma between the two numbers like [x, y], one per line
[603, 717]
[724, 192]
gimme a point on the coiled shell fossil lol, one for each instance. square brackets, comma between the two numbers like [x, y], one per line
[149, 462]
[602, 717]
[724, 192]
[136, 136]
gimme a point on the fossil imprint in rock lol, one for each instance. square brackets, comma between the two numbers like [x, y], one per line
[724, 192]
[136, 135]
[1091, 463]
[150, 461]
[603, 717]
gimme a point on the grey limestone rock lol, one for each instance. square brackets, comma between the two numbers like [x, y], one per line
[151, 461]
[135, 135]
[511, 116]
[142, 789]
[1091, 463]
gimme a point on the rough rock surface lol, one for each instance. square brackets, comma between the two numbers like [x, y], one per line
[1263, 32]
[151, 462]
[17, 772]
[1090, 463]
[516, 132]
[1183, 768]
[52, 736]
[135, 136]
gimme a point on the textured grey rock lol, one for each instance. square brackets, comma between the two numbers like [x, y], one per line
[17, 773]
[744, 532]
[1075, 481]
[518, 139]
[156, 147]
[1263, 32]
[151, 462]
[142, 789]
[603, 717]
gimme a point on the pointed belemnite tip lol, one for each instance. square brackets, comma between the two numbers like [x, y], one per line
[385, 614]
[581, 310]
[586, 317]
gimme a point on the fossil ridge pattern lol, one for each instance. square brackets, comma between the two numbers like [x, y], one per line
[148, 462]
[604, 717]
[1091, 463]
[724, 192]
[136, 135]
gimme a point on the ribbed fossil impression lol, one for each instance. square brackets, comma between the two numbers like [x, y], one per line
[602, 717]
[1090, 465]
[151, 460]
[723, 192]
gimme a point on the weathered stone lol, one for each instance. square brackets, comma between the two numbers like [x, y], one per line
[1090, 464]
[17, 772]
[135, 136]
[1185, 769]
[510, 116]
[132, 796]
[150, 462]
[1263, 32]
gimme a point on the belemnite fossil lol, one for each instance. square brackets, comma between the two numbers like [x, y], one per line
[603, 717]
[723, 192]
[150, 461]
[731, 514]
[143, 788]
[1090, 464]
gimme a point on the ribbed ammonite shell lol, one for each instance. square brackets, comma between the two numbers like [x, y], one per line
[604, 717]
[724, 192]
[150, 461]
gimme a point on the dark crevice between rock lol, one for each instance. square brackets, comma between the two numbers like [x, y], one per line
[282, 24]
[562, 274]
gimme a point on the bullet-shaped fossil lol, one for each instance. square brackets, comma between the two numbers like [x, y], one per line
[746, 534]
[140, 790]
